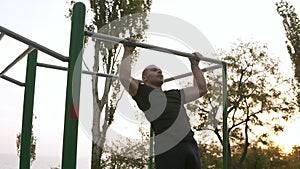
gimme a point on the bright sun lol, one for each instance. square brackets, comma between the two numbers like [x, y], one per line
[289, 138]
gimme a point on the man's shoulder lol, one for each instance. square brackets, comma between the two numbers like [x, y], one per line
[143, 90]
[144, 86]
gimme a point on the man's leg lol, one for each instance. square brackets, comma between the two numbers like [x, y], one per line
[183, 156]
[172, 159]
[193, 157]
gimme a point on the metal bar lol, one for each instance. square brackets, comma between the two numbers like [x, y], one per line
[52, 66]
[70, 135]
[28, 50]
[225, 130]
[28, 103]
[12, 80]
[148, 46]
[190, 73]
[100, 74]
[1, 35]
[117, 77]
[33, 44]
[150, 163]
[83, 71]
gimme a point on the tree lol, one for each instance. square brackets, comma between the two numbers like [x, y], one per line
[210, 155]
[271, 156]
[126, 154]
[116, 18]
[291, 25]
[293, 159]
[267, 156]
[258, 103]
[32, 148]
[259, 156]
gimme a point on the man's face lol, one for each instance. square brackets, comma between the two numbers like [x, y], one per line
[153, 75]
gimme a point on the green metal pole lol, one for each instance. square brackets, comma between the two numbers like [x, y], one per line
[225, 131]
[69, 154]
[150, 163]
[28, 111]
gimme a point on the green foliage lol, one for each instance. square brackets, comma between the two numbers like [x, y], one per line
[291, 25]
[258, 103]
[294, 157]
[258, 157]
[119, 18]
[255, 84]
[256, 98]
[126, 154]
[210, 155]
[116, 18]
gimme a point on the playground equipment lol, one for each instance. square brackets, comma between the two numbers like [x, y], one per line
[69, 152]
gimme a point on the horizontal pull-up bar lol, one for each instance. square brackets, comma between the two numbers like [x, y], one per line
[117, 77]
[28, 50]
[84, 71]
[33, 44]
[190, 73]
[148, 46]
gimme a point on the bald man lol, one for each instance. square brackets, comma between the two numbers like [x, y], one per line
[175, 146]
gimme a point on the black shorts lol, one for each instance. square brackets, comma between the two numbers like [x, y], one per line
[184, 155]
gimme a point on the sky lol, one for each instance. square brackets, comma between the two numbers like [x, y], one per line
[222, 22]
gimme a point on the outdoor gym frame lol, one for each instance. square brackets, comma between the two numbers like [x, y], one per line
[69, 151]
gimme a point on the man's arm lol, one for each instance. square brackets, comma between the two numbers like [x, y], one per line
[130, 84]
[199, 89]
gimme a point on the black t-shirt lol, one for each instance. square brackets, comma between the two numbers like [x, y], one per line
[166, 112]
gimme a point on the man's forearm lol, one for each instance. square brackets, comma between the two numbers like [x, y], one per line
[129, 83]
[199, 79]
[125, 70]
[125, 67]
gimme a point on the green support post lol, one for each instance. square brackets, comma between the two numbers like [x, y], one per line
[150, 163]
[69, 154]
[225, 131]
[28, 111]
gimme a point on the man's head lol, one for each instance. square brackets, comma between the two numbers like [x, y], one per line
[152, 75]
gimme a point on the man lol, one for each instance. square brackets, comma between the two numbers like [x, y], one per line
[175, 146]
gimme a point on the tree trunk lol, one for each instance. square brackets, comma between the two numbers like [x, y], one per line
[246, 145]
[230, 163]
[297, 76]
[99, 136]
[96, 156]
